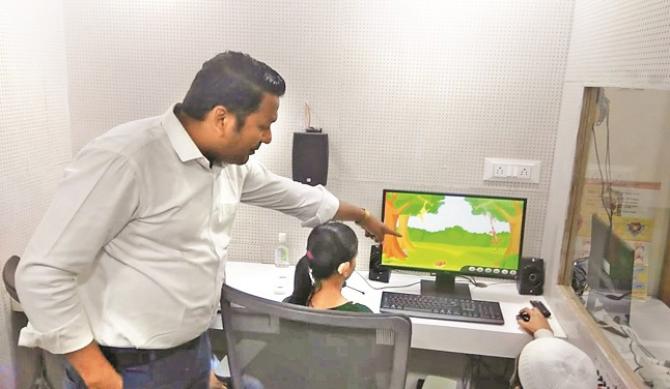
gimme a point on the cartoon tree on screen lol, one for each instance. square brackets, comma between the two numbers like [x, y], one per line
[504, 211]
[398, 208]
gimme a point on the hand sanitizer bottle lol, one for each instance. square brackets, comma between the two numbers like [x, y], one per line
[281, 251]
[281, 263]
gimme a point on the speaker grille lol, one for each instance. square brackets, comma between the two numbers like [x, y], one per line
[530, 278]
[310, 158]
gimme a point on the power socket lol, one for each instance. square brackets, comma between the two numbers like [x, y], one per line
[524, 172]
[512, 170]
[500, 171]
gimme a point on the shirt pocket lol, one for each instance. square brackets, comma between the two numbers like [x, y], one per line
[226, 204]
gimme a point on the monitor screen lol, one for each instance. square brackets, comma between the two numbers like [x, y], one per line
[610, 272]
[443, 232]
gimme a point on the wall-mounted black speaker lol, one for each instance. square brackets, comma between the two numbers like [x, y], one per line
[310, 158]
[377, 272]
[530, 276]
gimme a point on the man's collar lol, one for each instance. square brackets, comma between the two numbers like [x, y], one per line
[181, 142]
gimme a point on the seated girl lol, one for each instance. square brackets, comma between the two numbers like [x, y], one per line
[321, 273]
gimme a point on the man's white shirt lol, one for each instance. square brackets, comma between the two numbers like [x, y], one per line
[131, 251]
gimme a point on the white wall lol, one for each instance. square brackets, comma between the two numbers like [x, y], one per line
[34, 132]
[614, 43]
[413, 94]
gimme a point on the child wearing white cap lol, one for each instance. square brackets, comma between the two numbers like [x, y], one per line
[551, 363]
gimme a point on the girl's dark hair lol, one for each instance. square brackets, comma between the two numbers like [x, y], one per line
[234, 80]
[328, 246]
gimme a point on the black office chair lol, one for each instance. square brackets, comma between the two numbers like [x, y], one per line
[284, 345]
[39, 356]
[8, 278]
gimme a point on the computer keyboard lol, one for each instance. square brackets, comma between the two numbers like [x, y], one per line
[442, 308]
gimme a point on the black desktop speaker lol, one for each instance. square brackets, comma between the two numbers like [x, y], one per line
[377, 272]
[310, 158]
[530, 276]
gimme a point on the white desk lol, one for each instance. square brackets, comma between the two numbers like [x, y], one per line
[440, 335]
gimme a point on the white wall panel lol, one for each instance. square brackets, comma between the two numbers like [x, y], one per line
[34, 132]
[413, 95]
[623, 43]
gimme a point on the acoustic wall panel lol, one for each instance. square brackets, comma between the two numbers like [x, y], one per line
[621, 43]
[34, 135]
[412, 94]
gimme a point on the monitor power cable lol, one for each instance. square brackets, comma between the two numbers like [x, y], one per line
[474, 282]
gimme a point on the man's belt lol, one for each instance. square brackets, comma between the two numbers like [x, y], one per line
[126, 357]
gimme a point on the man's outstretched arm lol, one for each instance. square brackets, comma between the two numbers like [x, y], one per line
[373, 227]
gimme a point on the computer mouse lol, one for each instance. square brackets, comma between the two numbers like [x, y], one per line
[523, 315]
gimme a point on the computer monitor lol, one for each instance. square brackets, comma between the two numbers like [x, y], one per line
[610, 272]
[453, 234]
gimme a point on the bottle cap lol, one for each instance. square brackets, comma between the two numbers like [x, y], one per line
[281, 237]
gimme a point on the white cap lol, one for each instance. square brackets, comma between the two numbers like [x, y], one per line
[281, 237]
[552, 363]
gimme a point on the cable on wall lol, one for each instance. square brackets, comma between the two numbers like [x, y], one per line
[605, 172]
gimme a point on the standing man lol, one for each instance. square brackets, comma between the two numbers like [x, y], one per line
[123, 274]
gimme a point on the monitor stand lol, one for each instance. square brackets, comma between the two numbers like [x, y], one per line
[445, 285]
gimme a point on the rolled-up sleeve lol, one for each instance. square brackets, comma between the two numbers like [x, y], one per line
[313, 205]
[95, 200]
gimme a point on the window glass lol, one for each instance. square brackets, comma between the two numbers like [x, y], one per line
[620, 227]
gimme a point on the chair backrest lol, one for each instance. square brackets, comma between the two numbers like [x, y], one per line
[289, 346]
[8, 272]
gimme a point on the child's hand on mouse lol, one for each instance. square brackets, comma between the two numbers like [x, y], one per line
[537, 321]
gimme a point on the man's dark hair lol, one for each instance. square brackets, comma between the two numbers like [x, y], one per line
[234, 80]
